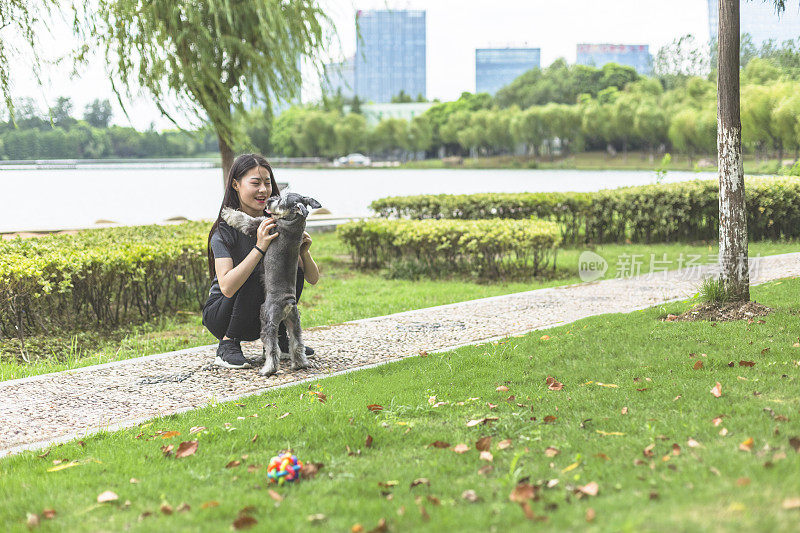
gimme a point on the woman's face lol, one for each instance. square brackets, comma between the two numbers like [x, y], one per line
[254, 188]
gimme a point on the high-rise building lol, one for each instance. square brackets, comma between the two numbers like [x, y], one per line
[632, 55]
[390, 55]
[340, 76]
[760, 20]
[497, 67]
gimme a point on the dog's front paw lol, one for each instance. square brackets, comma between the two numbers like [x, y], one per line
[270, 367]
[298, 363]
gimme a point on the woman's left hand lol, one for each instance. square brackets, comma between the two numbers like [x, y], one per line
[306, 243]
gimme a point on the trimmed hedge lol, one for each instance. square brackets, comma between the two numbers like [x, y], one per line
[486, 248]
[671, 212]
[101, 277]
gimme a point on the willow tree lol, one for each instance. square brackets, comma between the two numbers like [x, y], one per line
[18, 22]
[207, 59]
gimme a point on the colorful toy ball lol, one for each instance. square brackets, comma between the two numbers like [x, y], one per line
[284, 467]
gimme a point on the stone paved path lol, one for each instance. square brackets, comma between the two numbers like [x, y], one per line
[40, 410]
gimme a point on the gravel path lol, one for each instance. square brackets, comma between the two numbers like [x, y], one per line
[41, 410]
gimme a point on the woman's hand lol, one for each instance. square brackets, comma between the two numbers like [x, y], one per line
[306, 243]
[263, 238]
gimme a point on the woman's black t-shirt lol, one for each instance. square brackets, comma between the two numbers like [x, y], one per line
[229, 242]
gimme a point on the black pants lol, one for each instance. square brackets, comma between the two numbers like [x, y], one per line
[238, 317]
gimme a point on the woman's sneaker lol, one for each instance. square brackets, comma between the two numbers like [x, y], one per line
[229, 355]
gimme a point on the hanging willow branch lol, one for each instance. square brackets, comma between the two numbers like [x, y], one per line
[208, 57]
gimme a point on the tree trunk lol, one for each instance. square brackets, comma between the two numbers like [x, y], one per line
[735, 271]
[227, 158]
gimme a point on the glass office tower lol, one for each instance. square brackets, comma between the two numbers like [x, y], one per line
[632, 55]
[497, 67]
[390, 55]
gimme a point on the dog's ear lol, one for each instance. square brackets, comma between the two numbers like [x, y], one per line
[311, 202]
[302, 209]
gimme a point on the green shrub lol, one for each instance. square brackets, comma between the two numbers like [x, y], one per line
[101, 277]
[482, 248]
[684, 211]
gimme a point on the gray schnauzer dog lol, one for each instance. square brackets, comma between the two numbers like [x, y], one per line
[280, 271]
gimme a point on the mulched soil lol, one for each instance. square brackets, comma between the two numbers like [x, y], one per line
[749, 311]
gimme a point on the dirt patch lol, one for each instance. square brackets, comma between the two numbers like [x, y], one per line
[749, 311]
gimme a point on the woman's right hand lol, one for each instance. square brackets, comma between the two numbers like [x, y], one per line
[263, 238]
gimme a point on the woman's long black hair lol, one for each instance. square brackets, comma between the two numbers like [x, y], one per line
[239, 168]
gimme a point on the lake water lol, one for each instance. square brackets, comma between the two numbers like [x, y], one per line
[46, 199]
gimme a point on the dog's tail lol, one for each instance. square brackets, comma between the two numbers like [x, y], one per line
[241, 221]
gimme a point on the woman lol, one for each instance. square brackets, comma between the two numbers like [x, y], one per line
[232, 311]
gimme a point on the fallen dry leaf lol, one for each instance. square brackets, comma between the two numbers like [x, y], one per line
[791, 503]
[107, 496]
[166, 509]
[470, 496]
[698, 365]
[209, 504]
[551, 451]
[549, 419]
[483, 443]
[167, 449]
[743, 481]
[747, 446]
[545, 337]
[523, 492]
[185, 449]
[552, 384]
[440, 444]
[368, 443]
[624, 410]
[49, 514]
[244, 522]
[747, 363]
[233, 464]
[357, 528]
[310, 470]
[569, 468]
[648, 451]
[503, 444]
[486, 456]
[717, 390]
[461, 448]
[502, 388]
[485, 469]
[196, 429]
[420, 481]
[691, 443]
[374, 407]
[32, 520]
[794, 442]
[590, 489]
[382, 527]
[274, 495]
[184, 507]
[170, 434]
[486, 420]
[717, 421]
[590, 514]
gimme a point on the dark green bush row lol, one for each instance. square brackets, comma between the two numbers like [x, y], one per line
[484, 248]
[681, 211]
[101, 277]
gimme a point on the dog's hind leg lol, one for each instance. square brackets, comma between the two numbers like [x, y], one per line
[297, 350]
[270, 318]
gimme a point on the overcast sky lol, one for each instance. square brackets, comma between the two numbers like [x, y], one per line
[454, 29]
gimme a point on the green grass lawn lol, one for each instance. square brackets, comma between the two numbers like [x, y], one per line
[634, 416]
[342, 294]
